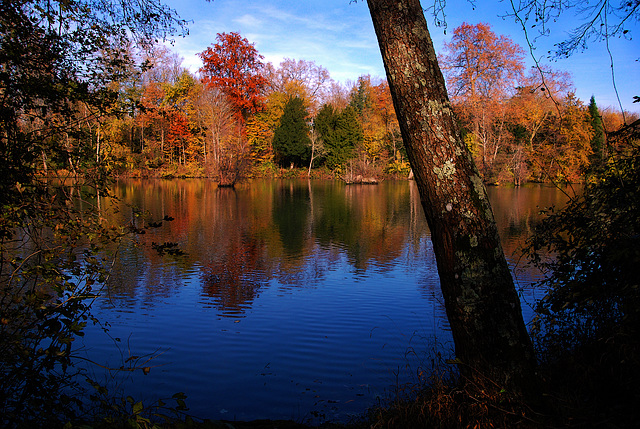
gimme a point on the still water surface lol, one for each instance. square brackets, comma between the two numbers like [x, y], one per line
[291, 300]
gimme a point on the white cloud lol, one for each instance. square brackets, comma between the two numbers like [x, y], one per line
[248, 21]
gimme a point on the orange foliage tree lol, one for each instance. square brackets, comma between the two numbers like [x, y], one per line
[480, 64]
[482, 71]
[234, 66]
[184, 133]
[153, 118]
[533, 109]
[567, 145]
[178, 136]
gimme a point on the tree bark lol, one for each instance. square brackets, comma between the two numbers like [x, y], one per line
[481, 301]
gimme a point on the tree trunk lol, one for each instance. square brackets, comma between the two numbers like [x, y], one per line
[98, 144]
[480, 297]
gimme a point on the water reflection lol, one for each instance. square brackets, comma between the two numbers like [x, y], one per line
[517, 210]
[291, 231]
[241, 239]
[291, 212]
[289, 295]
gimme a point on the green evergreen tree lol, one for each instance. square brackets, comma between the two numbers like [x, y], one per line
[291, 142]
[360, 99]
[324, 125]
[598, 140]
[346, 135]
[325, 122]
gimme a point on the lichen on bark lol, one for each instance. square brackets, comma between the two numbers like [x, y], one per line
[445, 172]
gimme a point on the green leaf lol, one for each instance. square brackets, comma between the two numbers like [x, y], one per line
[138, 407]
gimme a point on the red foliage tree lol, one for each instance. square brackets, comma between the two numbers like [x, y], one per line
[179, 135]
[234, 65]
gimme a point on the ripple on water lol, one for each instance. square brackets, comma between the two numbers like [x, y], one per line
[256, 327]
[333, 342]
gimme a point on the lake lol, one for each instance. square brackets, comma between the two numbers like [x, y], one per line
[283, 299]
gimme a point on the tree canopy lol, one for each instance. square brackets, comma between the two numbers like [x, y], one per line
[480, 64]
[291, 141]
[234, 65]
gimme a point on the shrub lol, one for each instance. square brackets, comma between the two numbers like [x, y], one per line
[586, 329]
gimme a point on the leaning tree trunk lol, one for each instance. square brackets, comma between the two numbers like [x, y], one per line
[480, 297]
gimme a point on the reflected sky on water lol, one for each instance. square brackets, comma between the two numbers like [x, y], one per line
[289, 299]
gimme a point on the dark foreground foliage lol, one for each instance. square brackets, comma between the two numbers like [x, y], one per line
[587, 331]
[60, 65]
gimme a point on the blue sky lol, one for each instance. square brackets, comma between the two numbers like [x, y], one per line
[339, 35]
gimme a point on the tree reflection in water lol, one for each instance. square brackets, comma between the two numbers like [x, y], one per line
[334, 287]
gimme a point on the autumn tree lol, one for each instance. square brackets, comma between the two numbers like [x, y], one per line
[215, 117]
[386, 119]
[481, 301]
[338, 95]
[154, 119]
[612, 119]
[313, 78]
[482, 72]
[261, 127]
[184, 135]
[480, 64]
[222, 141]
[374, 109]
[531, 111]
[566, 146]
[234, 65]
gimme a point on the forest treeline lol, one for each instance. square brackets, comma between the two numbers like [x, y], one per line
[241, 117]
